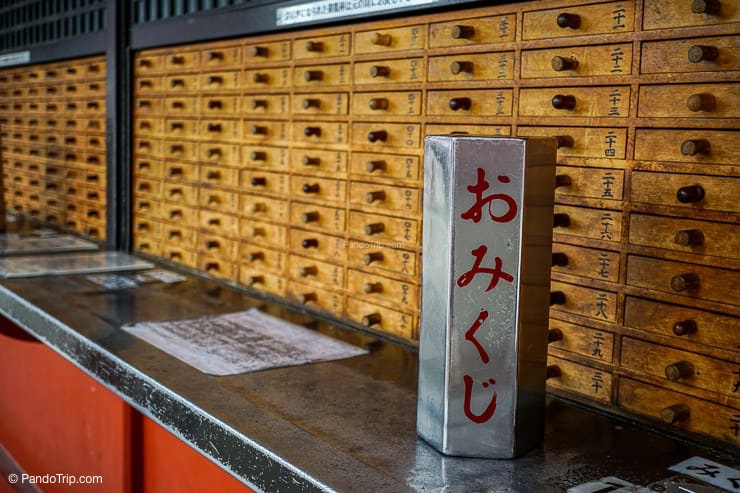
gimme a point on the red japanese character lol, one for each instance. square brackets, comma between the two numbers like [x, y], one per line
[495, 272]
[470, 335]
[490, 409]
[476, 210]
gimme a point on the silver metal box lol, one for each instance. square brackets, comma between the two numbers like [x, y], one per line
[487, 253]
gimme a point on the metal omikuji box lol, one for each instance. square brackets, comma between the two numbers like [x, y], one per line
[488, 216]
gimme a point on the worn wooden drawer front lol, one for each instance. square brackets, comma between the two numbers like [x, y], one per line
[585, 341]
[180, 171]
[387, 199]
[316, 297]
[670, 364]
[390, 40]
[686, 235]
[178, 236]
[383, 134]
[317, 245]
[588, 223]
[578, 61]
[262, 281]
[316, 132]
[320, 76]
[331, 219]
[182, 256]
[607, 101]
[582, 379]
[263, 233]
[382, 318]
[389, 71]
[264, 208]
[470, 103]
[662, 14]
[392, 293]
[256, 257]
[466, 32]
[263, 78]
[186, 128]
[180, 83]
[690, 55]
[261, 156]
[386, 103]
[182, 60]
[683, 279]
[321, 103]
[492, 130]
[587, 262]
[703, 416]
[218, 56]
[682, 323]
[218, 223]
[691, 101]
[315, 188]
[607, 18]
[376, 228]
[471, 67]
[215, 246]
[267, 131]
[321, 46]
[311, 271]
[318, 161]
[590, 182]
[260, 181]
[223, 154]
[181, 105]
[695, 191]
[267, 52]
[219, 200]
[688, 146]
[588, 302]
[372, 256]
[266, 104]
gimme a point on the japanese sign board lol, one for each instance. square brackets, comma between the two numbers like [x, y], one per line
[488, 208]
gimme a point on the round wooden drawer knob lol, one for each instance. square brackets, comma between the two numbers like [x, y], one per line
[381, 39]
[379, 71]
[372, 166]
[554, 335]
[371, 257]
[683, 282]
[675, 413]
[460, 67]
[557, 298]
[462, 32]
[314, 46]
[572, 21]
[559, 63]
[460, 104]
[560, 220]
[685, 327]
[706, 7]
[374, 228]
[559, 259]
[701, 102]
[377, 135]
[373, 287]
[311, 103]
[689, 237]
[371, 319]
[309, 270]
[561, 102]
[678, 370]
[701, 53]
[310, 188]
[378, 104]
[690, 194]
[553, 371]
[692, 147]
[377, 196]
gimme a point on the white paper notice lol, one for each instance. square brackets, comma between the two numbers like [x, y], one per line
[79, 263]
[241, 342]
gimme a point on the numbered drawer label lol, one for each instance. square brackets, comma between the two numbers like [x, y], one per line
[267, 182]
[321, 103]
[387, 103]
[469, 67]
[262, 78]
[389, 40]
[480, 30]
[574, 377]
[585, 341]
[390, 199]
[321, 75]
[596, 183]
[322, 46]
[389, 71]
[579, 61]
[587, 262]
[315, 132]
[260, 156]
[606, 18]
[312, 271]
[575, 102]
[588, 223]
[386, 231]
[318, 217]
[315, 188]
[383, 134]
[266, 104]
[385, 166]
[318, 161]
[470, 103]
[583, 142]
[587, 302]
[384, 319]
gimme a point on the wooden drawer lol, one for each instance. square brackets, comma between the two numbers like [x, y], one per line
[581, 340]
[586, 262]
[265, 234]
[596, 183]
[266, 131]
[587, 302]
[321, 189]
[142, 243]
[178, 149]
[390, 40]
[315, 297]
[383, 134]
[260, 156]
[690, 55]
[471, 67]
[220, 81]
[142, 206]
[267, 104]
[662, 14]
[317, 161]
[378, 258]
[217, 267]
[700, 416]
[588, 142]
[581, 20]
[604, 101]
[148, 188]
[220, 129]
[479, 30]
[265, 78]
[684, 368]
[386, 103]
[387, 199]
[216, 153]
[180, 214]
[188, 258]
[336, 103]
[173, 84]
[691, 101]
[581, 379]
[696, 191]
[262, 281]
[383, 229]
[682, 323]
[266, 182]
[178, 236]
[687, 146]
[578, 61]
[258, 258]
[218, 247]
[181, 105]
[686, 235]
[321, 75]
[317, 245]
[147, 147]
[384, 319]
[315, 132]
[694, 281]
[385, 166]
[330, 219]
[215, 105]
[322, 46]
[183, 128]
[263, 208]
[219, 200]
[180, 171]
[467, 103]
[399, 295]
[220, 224]
[389, 71]
[311, 271]
[599, 224]
[267, 52]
